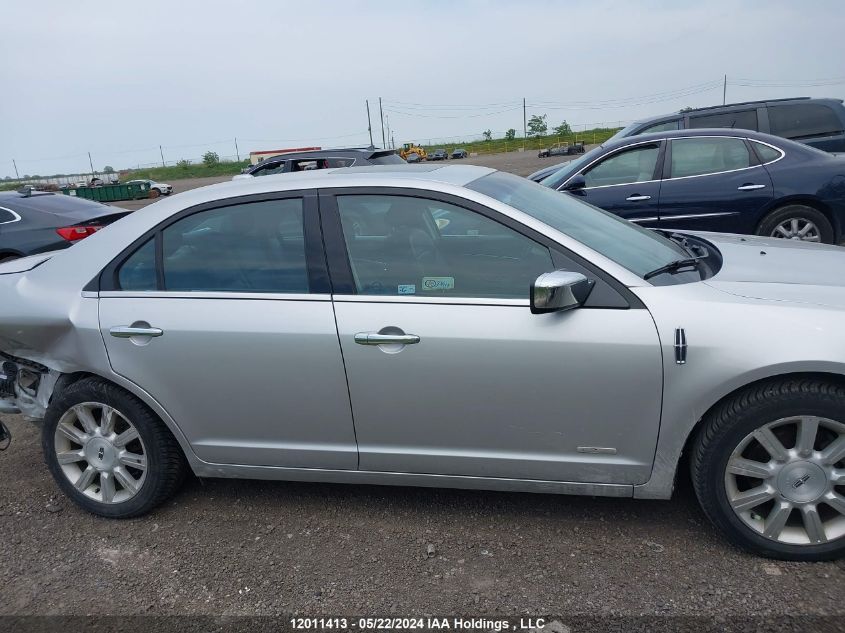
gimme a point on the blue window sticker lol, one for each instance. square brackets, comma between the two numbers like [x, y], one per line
[407, 289]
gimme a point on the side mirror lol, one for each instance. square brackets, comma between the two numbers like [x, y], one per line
[576, 182]
[559, 291]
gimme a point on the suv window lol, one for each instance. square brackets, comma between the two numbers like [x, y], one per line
[272, 168]
[803, 120]
[251, 247]
[628, 166]
[708, 155]
[665, 126]
[402, 245]
[740, 119]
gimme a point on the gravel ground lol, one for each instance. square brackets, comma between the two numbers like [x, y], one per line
[227, 547]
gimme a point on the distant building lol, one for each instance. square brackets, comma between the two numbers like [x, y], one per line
[257, 157]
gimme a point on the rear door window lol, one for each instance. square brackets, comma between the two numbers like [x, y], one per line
[803, 120]
[741, 119]
[708, 155]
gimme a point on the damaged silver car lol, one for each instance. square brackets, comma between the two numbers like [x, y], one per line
[436, 326]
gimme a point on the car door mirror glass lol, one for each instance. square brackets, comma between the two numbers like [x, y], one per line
[558, 291]
[576, 182]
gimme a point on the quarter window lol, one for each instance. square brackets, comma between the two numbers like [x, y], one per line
[252, 247]
[766, 153]
[401, 245]
[741, 119]
[7, 216]
[629, 166]
[708, 155]
[803, 120]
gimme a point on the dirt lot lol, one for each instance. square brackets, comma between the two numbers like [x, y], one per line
[226, 547]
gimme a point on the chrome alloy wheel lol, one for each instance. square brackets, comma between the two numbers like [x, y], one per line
[100, 452]
[786, 480]
[797, 229]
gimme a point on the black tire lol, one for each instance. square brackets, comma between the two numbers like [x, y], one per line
[726, 426]
[801, 212]
[166, 465]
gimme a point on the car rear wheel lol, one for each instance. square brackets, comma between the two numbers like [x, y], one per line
[108, 452]
[768, 468]
[797, 222]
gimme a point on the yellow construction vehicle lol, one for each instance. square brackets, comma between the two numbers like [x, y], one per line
[411, 148]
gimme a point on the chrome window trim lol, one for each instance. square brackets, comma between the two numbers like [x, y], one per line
[715, 173]
[16, 216]
[692, 216]
[475, 301]
[182, 294]
[650, 219]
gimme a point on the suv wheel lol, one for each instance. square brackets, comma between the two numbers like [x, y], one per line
[108, 452]
[769, 469]
[797, 222]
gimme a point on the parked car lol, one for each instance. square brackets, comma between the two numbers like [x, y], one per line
[816, 122]
[733, 181]
[413, 157]
[33, 222]
[561, 149]
[321, 159]
[531, 343]
[458, 153]
[156, 188]
[541, 174]
[438, 154]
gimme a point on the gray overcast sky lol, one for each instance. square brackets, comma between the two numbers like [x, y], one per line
[118, 79]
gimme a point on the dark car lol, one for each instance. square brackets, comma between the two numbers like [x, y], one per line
[322, 159]
[816, 122]
[33, 222]
[542, 174]
[562, 149]
[459, 153]
[438, 154]
[729, 181]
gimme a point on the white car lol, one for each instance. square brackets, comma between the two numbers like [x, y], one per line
[156, 188]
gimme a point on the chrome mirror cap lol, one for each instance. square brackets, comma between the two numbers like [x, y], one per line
[558, 291]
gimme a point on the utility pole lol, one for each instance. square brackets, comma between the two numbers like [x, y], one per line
[724, 90]
[91, 162]
[369, 123]
[387, 126]
[237, 151]
[16, 169]
[161, 151]
[381, 114]
[524, 123]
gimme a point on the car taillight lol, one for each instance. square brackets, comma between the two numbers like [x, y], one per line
[76, 233]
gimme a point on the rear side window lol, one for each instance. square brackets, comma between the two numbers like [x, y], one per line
[7, 216]
[253, 247]
[743, 119]
[767, 153]
[708, 155]
[666, 126]
[803, 120]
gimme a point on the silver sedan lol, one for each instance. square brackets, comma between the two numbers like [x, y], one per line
[436, 326]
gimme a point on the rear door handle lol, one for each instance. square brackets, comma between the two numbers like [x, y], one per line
[123, 331]
[374, 338]
[637, 198]
[750, 187]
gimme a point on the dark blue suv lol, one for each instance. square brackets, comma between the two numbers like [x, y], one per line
[816, 122]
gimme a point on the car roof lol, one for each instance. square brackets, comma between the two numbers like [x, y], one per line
[715, 131]
[366, 152]
[46, 201]
[731, 106]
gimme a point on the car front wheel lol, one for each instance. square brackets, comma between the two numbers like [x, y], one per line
[797, 222]
[768, 468]
[108, 452]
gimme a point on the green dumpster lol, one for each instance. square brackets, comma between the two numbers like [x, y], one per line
[111, 193]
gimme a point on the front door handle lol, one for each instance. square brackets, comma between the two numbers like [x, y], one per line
[750, 187]
[374, 338]
[637, 198]
[123, 331]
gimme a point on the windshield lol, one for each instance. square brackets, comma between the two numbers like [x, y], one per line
[625, 131]
[557, 178]
[637, 249]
